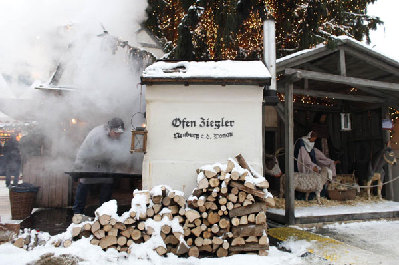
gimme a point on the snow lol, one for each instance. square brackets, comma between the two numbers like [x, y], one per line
[342, 38]
[383, 206]
[210, 69]
[141, 255]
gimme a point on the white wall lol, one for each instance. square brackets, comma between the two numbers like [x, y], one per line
[173, 161]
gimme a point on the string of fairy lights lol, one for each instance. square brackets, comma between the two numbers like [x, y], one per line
[299, 24]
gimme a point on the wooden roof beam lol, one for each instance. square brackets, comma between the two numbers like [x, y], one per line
[323, 94]
[372, 61]
[352, 81]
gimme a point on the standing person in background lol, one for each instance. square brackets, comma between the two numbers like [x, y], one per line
[12, 160]
[96, 153]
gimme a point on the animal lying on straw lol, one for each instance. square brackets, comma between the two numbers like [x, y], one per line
[308, 182]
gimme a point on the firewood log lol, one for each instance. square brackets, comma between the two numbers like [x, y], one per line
[197, 192]
[191, 215]
[214, 182]
[222, 200]
[249, 185]
[263, 252]
[160, 250]
[129, 221]
[230, 166]
[104, 219]
[238, 241]
[230, 206]
[121, 240]
[224, 223]
[95, 226]
[210, 174]
[263, 185]
[198, 222]
[215, 228]
[206, 234]
[135, 234]
[213, 218]
[150, 212]
[203, 184]
[234, 190]
[211, 206]
[221, 252]
[196, 231]
[248, 230]
[156, 199]
[193, 252]
[107, 227]
[198, 241]
[126, 233]
[260, 218]
[244, 220]
[210, 199]
[107, 241]
[157, 208]
[242, 196]
[217, 240]
[66, 243]
[251, 218]
[181, 249]
[254, 208]
[190, 241]
[263, 240]
[246, 203]
[166, 201]
[129, 242]
[120, 226]
[174, 209]
[235, 221]
[232, 197]
[113, 232]
[225, 244]
[234, 175]
[251, 239]
[99, 234]
[166, 229]
[76, 231]
[171, 239]
[94, 241]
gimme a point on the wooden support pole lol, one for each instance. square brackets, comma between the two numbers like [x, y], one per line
[342, 63]
[389, 191]
[289, 154]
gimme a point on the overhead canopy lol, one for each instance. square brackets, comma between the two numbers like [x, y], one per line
[349, 71]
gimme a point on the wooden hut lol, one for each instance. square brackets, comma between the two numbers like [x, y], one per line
[346, 78]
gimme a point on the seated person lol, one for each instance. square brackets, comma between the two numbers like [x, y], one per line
[308, 158]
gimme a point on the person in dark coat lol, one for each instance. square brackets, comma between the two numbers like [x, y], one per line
[12, 160]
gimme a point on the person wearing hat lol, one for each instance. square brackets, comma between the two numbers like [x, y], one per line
[97, 154]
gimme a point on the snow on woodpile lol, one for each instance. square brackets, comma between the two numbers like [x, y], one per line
[209, 69]
[225, 215]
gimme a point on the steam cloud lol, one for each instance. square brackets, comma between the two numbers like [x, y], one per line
[37, 36]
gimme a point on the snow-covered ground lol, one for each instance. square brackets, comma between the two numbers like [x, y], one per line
[142, 255]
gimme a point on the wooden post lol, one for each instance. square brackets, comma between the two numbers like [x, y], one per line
[389, 191]
[342, 63]
[289, 154]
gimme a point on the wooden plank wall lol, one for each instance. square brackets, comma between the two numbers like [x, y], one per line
[53, 182]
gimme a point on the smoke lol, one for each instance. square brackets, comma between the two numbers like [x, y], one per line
[39, 36]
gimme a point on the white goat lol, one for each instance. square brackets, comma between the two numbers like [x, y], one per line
[309, 182]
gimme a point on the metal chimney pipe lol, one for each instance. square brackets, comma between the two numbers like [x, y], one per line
[269, 50]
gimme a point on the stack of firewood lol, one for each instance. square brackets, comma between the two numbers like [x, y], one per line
[225, 215]
[228, 211]
[157, 215]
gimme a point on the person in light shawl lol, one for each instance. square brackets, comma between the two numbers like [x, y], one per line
[308, 158]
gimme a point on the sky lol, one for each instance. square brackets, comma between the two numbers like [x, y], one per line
[385, 38]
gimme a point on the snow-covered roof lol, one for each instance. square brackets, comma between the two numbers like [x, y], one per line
[227, 72]
[342, 40]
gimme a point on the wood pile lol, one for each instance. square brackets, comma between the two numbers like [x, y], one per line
[225, 215]
[157, 215]
[228, 211]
